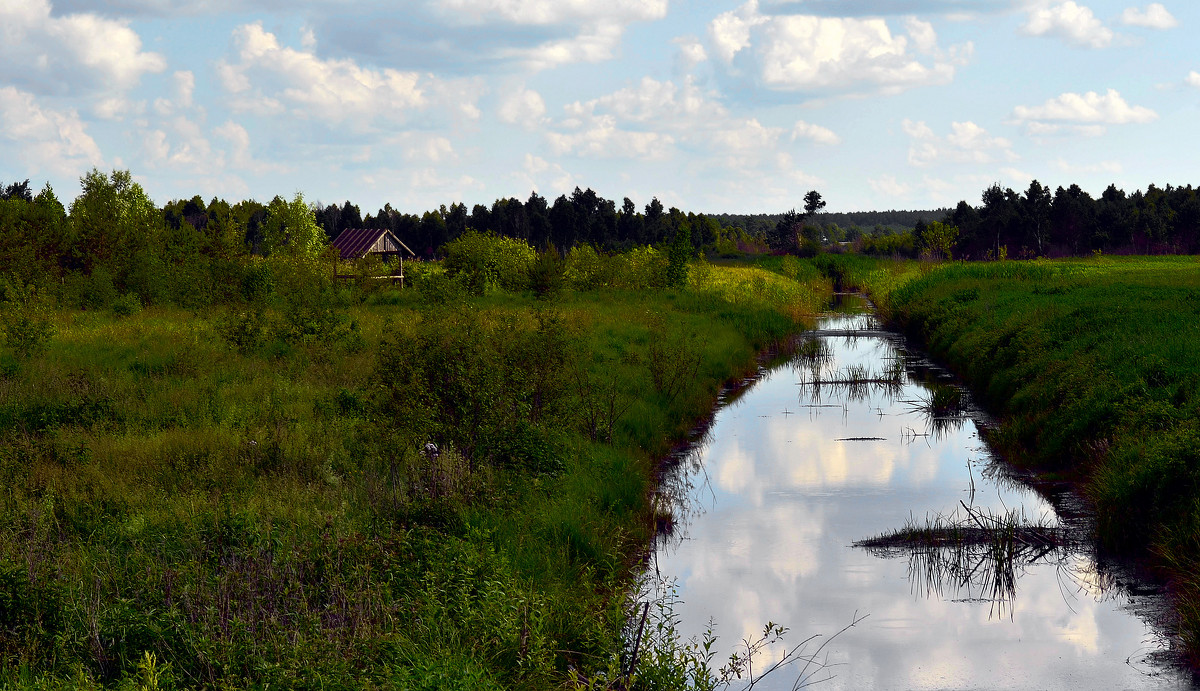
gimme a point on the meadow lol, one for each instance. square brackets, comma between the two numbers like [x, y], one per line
[1093, 366]
[442, 487]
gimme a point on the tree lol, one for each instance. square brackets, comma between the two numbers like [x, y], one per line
[655, 224]
[1000, 206]
[538, 212]
[291, 229]
[937, 239]
[785, 236]
[813, 203]
[630, 225]
[1036, 208]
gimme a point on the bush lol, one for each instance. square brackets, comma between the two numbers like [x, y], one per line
[547, 274]
[488, 262]
[25, 318]
[127, 305]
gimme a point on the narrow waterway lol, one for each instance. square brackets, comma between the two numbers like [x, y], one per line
[839, 446]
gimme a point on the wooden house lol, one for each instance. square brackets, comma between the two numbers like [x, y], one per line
[356, 243]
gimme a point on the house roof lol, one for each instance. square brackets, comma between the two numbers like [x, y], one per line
[354, 243]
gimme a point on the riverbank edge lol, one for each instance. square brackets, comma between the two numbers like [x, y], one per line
[1175, 567]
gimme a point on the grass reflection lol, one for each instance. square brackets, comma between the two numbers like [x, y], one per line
[978, 555]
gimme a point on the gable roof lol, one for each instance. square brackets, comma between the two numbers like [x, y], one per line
[354, 243]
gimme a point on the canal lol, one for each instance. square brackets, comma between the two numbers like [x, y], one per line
[776, 506]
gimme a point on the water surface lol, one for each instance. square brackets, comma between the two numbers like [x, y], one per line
[828, 451]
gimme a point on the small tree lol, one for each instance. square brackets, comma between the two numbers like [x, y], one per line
[937, 239]
[680, 252]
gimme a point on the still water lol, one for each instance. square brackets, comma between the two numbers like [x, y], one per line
[839, 447]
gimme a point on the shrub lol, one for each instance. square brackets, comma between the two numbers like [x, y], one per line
[127, 305]
[488, 262]
[25, 318]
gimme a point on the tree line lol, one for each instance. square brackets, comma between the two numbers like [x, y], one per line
[583, 217]
[1070, 222]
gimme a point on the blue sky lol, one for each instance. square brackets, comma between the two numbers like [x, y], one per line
[710, 105]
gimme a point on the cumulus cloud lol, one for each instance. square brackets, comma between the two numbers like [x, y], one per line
[804, 53]
[534, 34]
[267, 78]
[548, 12]
[815, 133]
[641, 121]
[603, 139]
[1193, 79]
[69, 53]
[539, 174]
[240, 156]
[1155, 16]
[523, 107]
[1076, 24]
[659, 119]
[46, 139]
[1086, 114]
[966, 143]
[690, 52]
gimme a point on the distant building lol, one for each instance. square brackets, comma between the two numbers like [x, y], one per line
[356, 243]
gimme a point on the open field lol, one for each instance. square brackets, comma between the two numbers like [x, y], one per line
[1094, 367]
[234, 497]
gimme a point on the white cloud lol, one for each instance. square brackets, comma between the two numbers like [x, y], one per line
[69, 53]
[654, 120]
[547, 12]
[966, 143]
[1086, 114]
[117, 108]
[1067, 20]
[46, 139]
[1155, 16]
[185, 87]
[802, 52]
[523, 107]
[424, 147]
[889, 186]
[539, 174]
[603, 139]
[267, 78]
[240, 157]
[588, 31]
[816, 133]
[1193, 79]
[180, 144]
[691, 52]
[1112, 167]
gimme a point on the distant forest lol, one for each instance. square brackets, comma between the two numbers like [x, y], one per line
[113, 238]
[842, 226]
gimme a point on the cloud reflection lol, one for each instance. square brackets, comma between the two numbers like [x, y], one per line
[782, 503]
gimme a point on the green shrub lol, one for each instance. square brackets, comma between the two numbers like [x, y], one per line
[26, 319]
[127, 305]
[489, 262]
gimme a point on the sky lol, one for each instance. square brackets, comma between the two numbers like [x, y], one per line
[709, 105]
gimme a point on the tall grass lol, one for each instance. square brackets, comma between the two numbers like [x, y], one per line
[243, 497]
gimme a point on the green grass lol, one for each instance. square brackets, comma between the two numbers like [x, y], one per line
[1094, 366]
[239, 493]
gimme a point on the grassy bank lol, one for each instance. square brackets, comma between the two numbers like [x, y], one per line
[1094, 368]
[243, 496]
